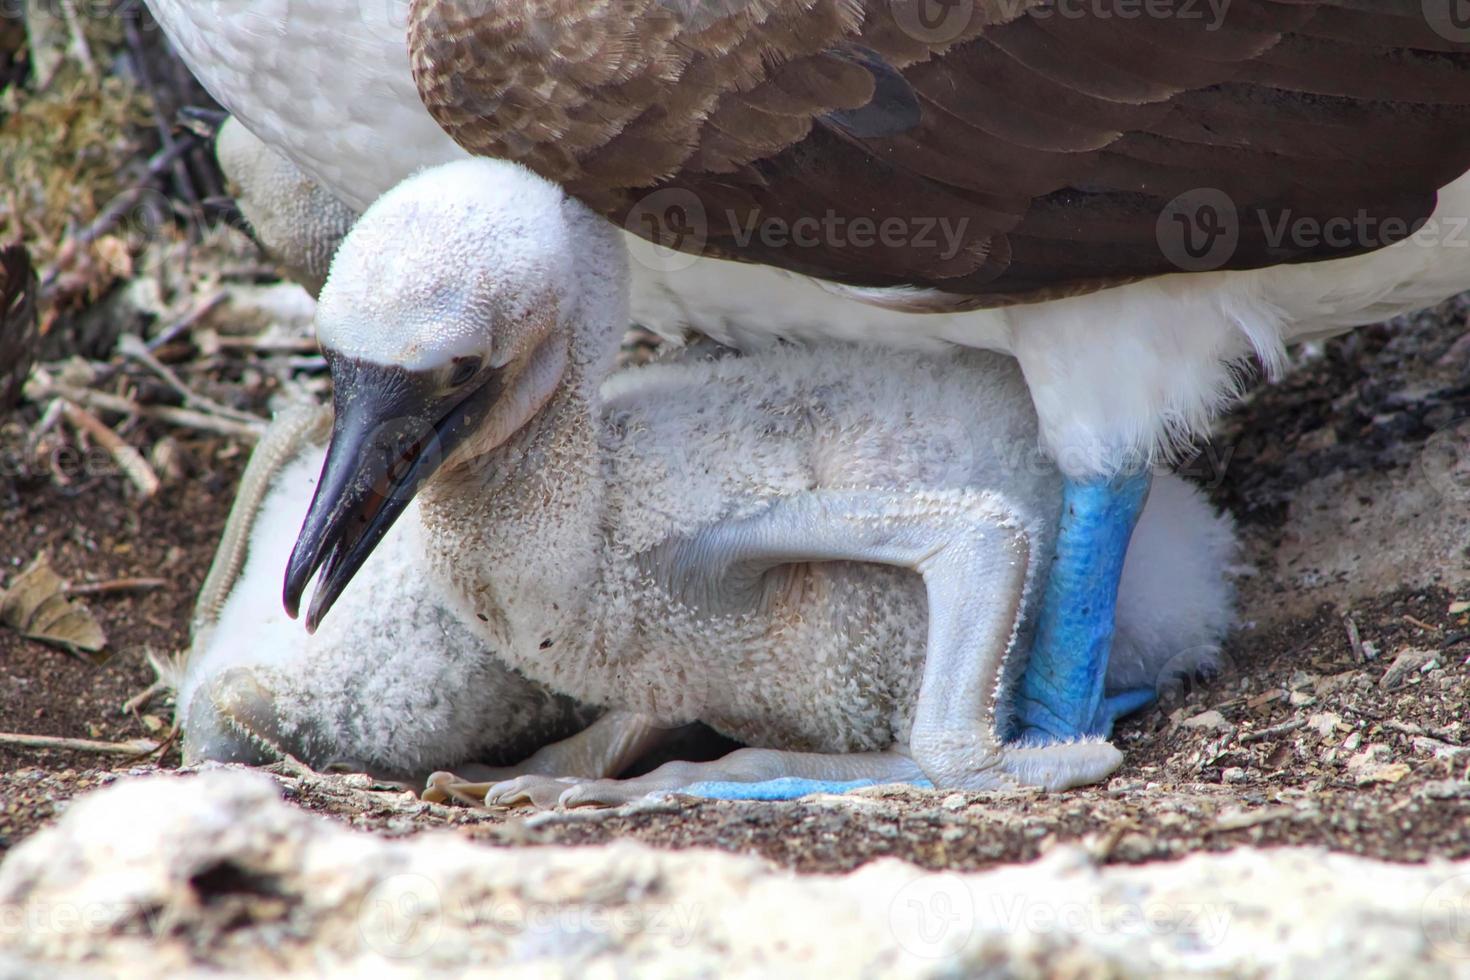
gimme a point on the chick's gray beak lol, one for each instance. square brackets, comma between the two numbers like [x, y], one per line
[392, 429]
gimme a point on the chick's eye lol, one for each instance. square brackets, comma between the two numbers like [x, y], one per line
[464, 369]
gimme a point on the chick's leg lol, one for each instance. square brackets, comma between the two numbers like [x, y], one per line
[606, 747]
[975, 557]
[752, 774]
[976, 583]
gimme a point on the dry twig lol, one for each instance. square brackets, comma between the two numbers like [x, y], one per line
[182, 180]
[80, 49]
[188, 321]
[1354, 639]
[1284, 728]
[139, 700]
[128, 459]
[37, 390]
[269, 345]
[132, 347]
[114, 212]
[129, 747]
[116, 585]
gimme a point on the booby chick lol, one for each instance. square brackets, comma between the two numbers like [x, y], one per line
[394, 686]
[831, 559]
[902, 178]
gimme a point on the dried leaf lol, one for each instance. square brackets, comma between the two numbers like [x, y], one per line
[36, 605]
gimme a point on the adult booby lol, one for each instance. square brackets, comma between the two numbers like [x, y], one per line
[1068, 147]
[826, 555]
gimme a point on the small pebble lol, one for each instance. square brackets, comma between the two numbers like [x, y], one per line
[1207, 720]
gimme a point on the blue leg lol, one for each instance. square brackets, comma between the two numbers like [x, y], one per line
[1061, 694]
[785, 788]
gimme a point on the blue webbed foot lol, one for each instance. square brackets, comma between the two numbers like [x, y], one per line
[1061, 693]
[1122, 704]
[785, 788]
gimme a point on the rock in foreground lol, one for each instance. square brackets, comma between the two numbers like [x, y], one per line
[178, 873]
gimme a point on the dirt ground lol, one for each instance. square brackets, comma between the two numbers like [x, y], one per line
[1336, 726]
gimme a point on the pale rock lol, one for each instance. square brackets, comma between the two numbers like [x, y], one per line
[173, 875]
[1207, 721]
[1324, 723]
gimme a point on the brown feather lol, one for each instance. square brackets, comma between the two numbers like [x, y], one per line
[19, 328]
[1055, 138]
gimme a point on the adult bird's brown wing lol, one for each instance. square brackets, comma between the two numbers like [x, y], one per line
[1005, 150]
[19, 331]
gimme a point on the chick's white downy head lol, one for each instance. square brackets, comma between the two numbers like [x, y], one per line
[448, 265]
